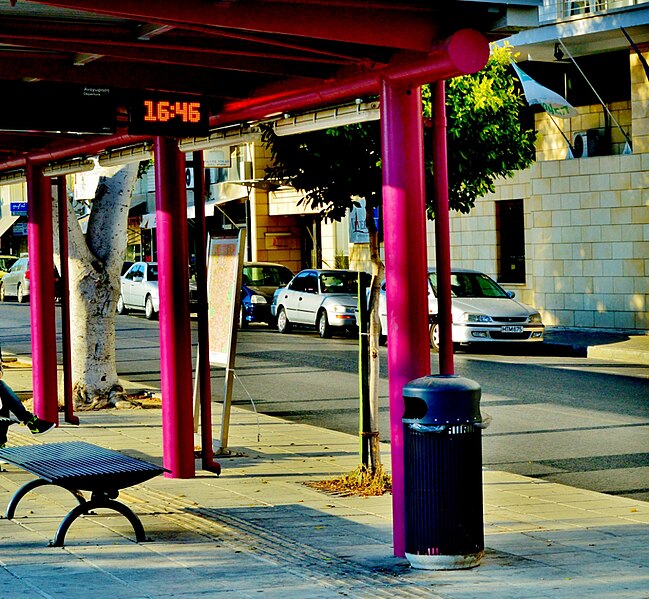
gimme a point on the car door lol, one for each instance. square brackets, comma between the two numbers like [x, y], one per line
[137, 287]
[128, 282]
[291, 296]
[309, 300]
[14, 276]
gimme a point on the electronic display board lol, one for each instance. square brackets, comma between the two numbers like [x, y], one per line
[175, 115]
[57, 108]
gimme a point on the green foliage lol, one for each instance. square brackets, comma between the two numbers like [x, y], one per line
[331, 166]
[486, 141]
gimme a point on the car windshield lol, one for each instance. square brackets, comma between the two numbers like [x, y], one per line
[470, 284]
[339, 282]
[266, 276]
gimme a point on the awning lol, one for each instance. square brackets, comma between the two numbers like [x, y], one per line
[6, 222]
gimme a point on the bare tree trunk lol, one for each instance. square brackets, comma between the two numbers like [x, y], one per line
[374, 334]
[95, 263]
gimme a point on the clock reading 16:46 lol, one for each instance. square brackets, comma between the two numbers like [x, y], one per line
[161, 111]
[175, 115]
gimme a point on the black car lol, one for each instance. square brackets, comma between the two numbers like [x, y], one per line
[258, 284]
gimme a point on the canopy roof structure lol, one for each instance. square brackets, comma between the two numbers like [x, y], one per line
[246, 58]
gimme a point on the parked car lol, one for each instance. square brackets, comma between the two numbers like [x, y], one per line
[139, 290]
[259, 282]
[482, 311]
[16, 281]
[325, 299]
[6, 262]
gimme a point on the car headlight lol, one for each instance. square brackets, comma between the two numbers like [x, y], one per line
[468, 317]
[536, 318]
[258, 299]
[344, 310]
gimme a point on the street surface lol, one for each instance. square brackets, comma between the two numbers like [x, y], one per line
[573, 420]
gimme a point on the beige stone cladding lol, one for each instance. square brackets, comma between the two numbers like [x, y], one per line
[586, 240]
[586, 219]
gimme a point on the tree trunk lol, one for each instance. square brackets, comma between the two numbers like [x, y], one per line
[374, 334]
[95, 263]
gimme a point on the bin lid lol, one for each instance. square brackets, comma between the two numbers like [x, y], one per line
[442, 399]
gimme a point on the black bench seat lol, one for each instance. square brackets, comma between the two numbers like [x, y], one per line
[78, 466]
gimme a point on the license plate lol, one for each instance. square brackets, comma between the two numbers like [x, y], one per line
[511, 329]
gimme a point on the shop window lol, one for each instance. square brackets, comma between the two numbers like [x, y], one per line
[510, 223]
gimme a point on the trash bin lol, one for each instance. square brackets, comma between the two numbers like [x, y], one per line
[443, 473]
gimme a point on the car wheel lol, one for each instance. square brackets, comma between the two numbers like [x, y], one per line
[149, 312]
[283, 323]
[324, 330]
[434, 337]
[2, 292]
[20, 296]
[121, 308]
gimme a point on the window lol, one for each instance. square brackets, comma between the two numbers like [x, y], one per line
[510, 230]
[583, 7]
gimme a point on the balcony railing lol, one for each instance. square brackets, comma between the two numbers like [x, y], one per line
[560, 10]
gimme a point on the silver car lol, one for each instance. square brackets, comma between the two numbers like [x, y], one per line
[325, 299]
[482, 311]
[15, 282]
[139, 289]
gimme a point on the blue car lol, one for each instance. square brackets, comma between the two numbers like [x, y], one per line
[259, 282]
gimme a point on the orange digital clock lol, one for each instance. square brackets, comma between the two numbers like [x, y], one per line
[172, 115]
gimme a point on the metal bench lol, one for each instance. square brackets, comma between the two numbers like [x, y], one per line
[77, 466]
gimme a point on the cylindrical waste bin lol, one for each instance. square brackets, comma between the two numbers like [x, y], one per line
[443, 473]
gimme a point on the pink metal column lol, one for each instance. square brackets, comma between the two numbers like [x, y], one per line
[175, 334]
[442, 232]
[404, 218]
[41, 295]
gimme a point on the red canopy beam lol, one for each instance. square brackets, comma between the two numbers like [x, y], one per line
[466, 51]
[391, 27]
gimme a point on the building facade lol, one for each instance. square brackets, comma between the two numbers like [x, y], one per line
[570, 235]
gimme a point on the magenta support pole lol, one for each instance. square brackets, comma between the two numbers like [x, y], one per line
[62, 202]
[404, 217]
[173, 284]
[205, 386]
[41, 278]
[442, 232]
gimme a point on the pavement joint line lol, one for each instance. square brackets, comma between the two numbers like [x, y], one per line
[277, 548]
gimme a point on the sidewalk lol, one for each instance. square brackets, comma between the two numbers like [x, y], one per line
[257, 530]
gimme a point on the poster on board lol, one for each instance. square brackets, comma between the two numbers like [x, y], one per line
[224, 256]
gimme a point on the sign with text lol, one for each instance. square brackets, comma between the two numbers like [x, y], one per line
[18, 208]
[57, 107]
[224, 258]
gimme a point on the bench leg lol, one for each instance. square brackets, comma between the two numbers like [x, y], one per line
[99, 500]
[27, 487]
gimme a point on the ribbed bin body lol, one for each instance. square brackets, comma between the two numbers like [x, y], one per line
[443, 473]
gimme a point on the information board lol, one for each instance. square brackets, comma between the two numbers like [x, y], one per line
[224, 256]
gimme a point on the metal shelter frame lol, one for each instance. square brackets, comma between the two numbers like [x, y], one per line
[277, 57]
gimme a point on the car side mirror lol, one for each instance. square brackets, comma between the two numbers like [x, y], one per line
[138, 279]
[511, 294]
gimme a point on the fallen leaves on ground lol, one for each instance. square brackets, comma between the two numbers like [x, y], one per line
[360, 481]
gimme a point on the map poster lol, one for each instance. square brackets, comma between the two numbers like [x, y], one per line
[224, 256]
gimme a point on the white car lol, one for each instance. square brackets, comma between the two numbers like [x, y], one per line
[325, 299]
[482, 311]
[139, 289]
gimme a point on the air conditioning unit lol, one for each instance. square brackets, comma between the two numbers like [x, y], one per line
[594, 142]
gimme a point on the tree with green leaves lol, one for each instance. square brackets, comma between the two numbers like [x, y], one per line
[336, 167]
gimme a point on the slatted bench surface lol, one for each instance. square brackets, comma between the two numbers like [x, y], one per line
[82, 466]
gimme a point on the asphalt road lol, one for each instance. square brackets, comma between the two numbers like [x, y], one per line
[568, 419]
